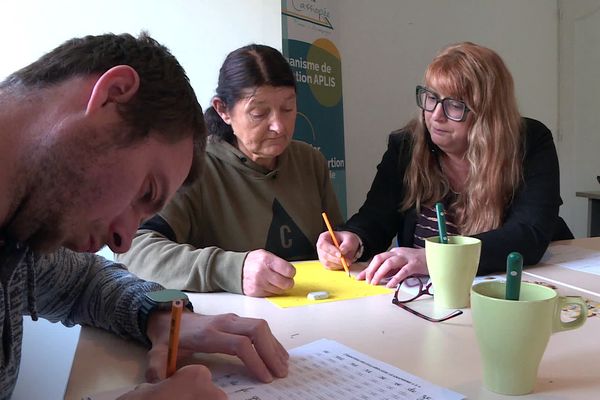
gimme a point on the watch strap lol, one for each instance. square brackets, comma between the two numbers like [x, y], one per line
[159, 300]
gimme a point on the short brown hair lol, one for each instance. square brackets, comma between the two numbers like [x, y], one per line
[164, 103]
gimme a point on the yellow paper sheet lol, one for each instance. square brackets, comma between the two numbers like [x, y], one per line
[311, 276]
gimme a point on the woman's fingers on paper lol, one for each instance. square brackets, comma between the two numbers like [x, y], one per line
[389, 267]
[398, 277]
[276, 284]
[266, 289]
[281, 283]
[283, 268]
[277, 277]
[265, 274]
[374, 266]
[361, 275]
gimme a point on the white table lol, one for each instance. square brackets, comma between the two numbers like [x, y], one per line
[589, 284]
[446, 353]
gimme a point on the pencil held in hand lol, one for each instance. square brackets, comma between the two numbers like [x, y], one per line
[176, 310]
[330, 229]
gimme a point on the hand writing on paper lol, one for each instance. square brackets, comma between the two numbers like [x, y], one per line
[188, 383]
[249, 339]
[265, 274]
[328, 253]
[398, 263]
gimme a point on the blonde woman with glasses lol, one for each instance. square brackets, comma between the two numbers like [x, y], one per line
[495, 172]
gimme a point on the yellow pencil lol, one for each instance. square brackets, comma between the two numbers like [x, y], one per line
[176, 310]
[330, 229]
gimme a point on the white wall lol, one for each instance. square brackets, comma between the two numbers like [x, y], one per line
[387, 44]
[199, 33]
[579, 49]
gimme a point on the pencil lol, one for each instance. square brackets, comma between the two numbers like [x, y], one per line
[176, 310]
[330, 229]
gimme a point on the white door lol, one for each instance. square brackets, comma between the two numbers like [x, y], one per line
[579, 106]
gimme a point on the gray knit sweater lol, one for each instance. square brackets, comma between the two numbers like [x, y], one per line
[73, 288]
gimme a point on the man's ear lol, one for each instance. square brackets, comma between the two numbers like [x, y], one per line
[221, 109]
[117, 85]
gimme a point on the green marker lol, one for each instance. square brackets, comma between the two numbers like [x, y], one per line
[514, 268]
[441, 217]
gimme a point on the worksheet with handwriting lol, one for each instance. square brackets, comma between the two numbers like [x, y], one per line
[328, 370]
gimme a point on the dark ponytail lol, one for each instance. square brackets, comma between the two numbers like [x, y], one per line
[216, 126]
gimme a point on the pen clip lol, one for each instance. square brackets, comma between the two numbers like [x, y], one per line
[514, 269]
[441, 218]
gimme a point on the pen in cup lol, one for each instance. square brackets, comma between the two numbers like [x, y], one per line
[176, 310]
[441, 218]
[514, 269]
[335, 242]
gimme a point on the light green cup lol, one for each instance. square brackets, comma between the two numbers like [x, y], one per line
[513, 335]
[452, 268]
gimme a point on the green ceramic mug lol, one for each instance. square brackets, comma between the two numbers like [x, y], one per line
[452, 268]
[513, 335]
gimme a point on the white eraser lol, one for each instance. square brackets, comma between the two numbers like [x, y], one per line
[317, 295]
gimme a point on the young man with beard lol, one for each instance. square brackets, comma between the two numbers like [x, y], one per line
[95, 137]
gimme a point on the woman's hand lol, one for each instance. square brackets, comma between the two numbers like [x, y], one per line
[265, 274]
[398, 263]
[329, 255]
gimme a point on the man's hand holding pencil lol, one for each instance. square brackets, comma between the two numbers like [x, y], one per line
[249, 339]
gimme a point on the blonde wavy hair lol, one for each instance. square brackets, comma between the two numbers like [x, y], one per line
[479, 77]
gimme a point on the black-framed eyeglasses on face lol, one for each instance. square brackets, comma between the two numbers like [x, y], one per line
[401, 298]
[454, 110]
